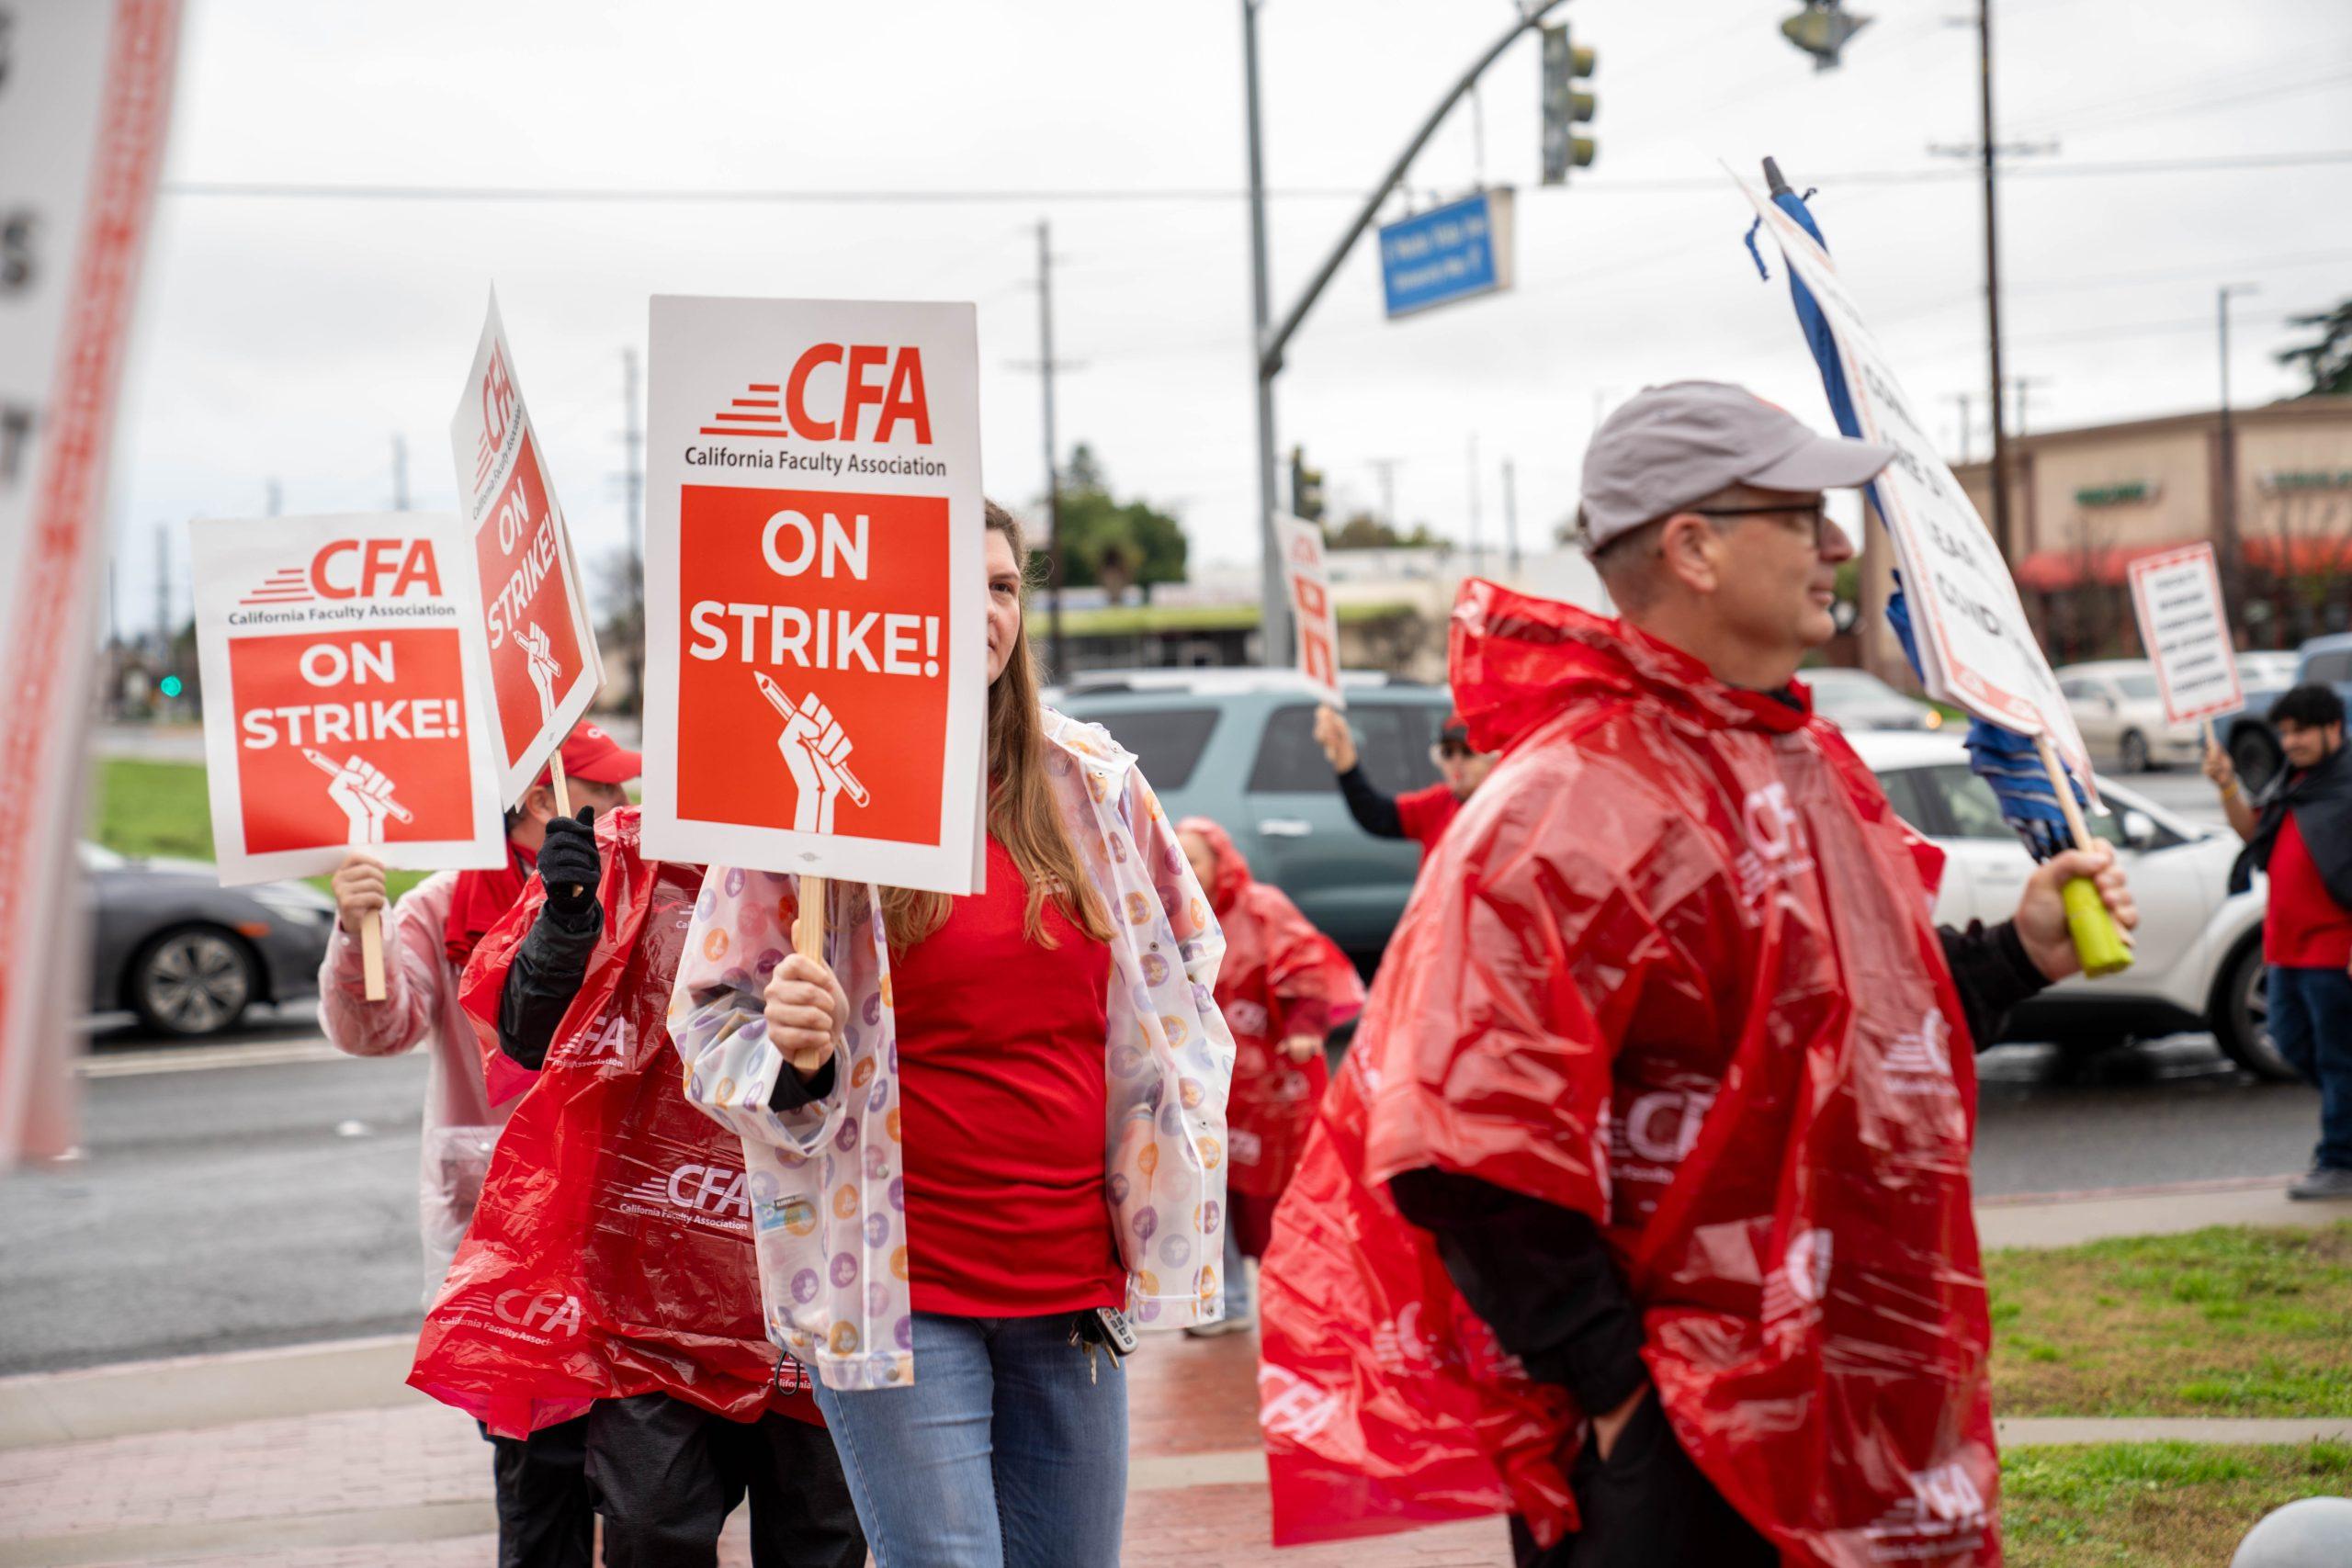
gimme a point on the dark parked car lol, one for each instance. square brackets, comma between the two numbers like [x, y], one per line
[188, 956]
[1238, 746]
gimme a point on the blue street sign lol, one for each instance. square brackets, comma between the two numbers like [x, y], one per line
[1446, 253]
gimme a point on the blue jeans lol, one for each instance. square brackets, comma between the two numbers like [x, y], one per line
[2311, 1023]
[1006, 1451]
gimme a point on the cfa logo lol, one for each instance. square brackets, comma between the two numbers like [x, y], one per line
[354, 568]
[1288, 1407]
[1946, 1493]
[497, 397]
[609, 1039]
[1663, 1125]
[826, 396]
[550, 1311]
[1776, 847]
[707, 1189]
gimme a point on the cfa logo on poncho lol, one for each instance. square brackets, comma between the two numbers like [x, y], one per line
[549, 1312]
[1944, 1512]
[1776, 848]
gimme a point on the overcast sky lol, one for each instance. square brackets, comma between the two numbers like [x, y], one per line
[294, 337]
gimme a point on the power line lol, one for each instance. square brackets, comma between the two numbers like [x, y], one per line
[263, 190]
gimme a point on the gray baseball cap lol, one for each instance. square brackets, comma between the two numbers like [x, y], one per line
[1671, 445]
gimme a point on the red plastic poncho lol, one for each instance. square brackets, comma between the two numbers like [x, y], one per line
[1672, 968]
[1280, 976]
[611, 1254]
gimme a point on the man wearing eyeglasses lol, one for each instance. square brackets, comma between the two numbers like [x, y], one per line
[1670, 1070]
[1421, 815]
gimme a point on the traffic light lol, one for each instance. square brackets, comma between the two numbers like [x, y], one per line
[1821, 29]
[1306, 487]
[1564, 104]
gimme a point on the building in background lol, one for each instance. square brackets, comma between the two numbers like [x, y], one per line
[2088, 503]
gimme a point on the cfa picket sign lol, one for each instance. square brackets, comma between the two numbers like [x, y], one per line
[816, 639]
[1977, 650]
[86, 97]
[342, 695]
[2186, 629]
[1308, 573]
[539, 644]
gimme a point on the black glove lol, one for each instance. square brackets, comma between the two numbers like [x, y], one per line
[569, 866]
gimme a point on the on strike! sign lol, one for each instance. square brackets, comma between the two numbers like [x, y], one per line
[340, 690]
[544, 669]
[1309, 577]
[2185, 630]
[816, 674]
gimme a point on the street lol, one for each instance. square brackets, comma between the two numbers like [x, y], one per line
[219, 1206]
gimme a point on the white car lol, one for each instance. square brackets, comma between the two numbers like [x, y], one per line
[2121, 712]
[2197, 963]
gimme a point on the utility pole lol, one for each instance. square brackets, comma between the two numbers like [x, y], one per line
[633, 491]
[2021, 388]
[1965, 400]
[2002, 537]
[163, 594]
[1387, 469]
[2227, 520]
[1477, 548]
[1055, 650]
[1510, 518]
[399, 473]
[1271, 339]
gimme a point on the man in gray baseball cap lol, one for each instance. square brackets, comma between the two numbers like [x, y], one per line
[1703, 514]
[1667, 991]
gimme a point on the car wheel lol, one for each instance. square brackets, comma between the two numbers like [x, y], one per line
[192, 981]
[2240, 1016]
[2135, 749]
[2254, 752]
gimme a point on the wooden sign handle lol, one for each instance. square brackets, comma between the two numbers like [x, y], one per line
[809, 927]
[371, 954]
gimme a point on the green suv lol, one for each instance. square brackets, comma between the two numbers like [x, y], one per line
[1238, 746]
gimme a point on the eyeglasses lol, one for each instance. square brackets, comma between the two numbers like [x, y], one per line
[1820, 518]
[1450, 751]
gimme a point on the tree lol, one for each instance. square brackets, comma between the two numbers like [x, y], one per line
[1366, 532]
[2327, 361]
[1110, 544]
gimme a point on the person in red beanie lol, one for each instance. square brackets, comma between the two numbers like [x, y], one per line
[1283, 987]
[543, 1515]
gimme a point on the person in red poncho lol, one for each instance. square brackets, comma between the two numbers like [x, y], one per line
[1421, 815]
[1641, 1208]
[543, 1515]
[611, 1262]
[1283, 986]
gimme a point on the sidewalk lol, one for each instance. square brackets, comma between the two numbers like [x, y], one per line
[318, 1457]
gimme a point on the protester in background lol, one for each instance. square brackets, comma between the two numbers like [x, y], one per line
[949, 1236]
[1282, 987]
[544, 1517]
[1670, 1070]
[2301, 832]
[1421, 815]
[692, 1414]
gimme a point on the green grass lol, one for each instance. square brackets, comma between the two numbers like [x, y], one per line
[2153, 1505]
[2232, 1321]
[160, 809]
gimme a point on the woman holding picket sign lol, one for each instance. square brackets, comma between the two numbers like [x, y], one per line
[977, 1132]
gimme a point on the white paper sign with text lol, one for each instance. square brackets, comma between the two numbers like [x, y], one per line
[816, 605]
[1309, 577]
[342, 695]
[2186, 629]
[1977, 650]
[539, 643]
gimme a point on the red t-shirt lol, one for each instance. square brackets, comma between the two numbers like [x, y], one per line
[2304, 929]
[1425, 814]
[1004, 1110]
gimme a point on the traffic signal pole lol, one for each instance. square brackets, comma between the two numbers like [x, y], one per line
[1271, 339]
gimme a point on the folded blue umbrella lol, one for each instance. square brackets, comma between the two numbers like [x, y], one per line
[2003, 759]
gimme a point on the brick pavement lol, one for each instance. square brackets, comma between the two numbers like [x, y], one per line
[408, 1487]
